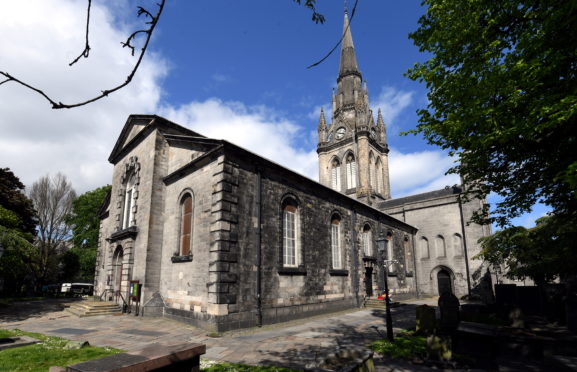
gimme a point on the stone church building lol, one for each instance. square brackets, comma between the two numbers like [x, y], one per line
[223, 238]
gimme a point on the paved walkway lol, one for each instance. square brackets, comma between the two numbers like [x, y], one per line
[295, 344]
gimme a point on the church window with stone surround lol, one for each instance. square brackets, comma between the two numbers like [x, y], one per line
[290, 234]
[390, 254]
[186, 221]
[336, 242]
[129, 197]
[367, 241]
[424, 245]
[351, 172]
[336, 175]
[372, 171]
[379, 176]
[440, 246]
[457, 245]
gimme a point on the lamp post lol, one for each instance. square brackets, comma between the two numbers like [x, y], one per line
[381, 241]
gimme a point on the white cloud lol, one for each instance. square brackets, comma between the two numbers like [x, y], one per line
[418, 172]
[392, 102]
[256, 128]
[44, 36]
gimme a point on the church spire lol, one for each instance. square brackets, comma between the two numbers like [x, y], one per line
[348, 61]
[382, 127]
[322, 121]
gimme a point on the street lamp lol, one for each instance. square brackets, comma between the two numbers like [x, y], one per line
[381, 241]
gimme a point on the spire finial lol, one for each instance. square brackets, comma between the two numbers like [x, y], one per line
[346, 7]
[322, 121]
[380, 121]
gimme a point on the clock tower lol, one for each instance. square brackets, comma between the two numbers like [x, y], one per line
[353, 151]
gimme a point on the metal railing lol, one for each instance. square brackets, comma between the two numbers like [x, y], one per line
[114, 295]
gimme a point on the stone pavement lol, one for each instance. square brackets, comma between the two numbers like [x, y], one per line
[294, 344]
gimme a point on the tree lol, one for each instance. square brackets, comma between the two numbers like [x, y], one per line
[85, 225]
[542, 253]
[151, 16]
[52, 198]
[502, 80]
[17, 230]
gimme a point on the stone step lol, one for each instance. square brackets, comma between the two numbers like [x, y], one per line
[92, 308]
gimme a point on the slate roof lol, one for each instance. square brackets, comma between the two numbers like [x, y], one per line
[447, 191]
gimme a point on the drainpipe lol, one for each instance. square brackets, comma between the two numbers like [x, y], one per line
[354, 274]
[465, 246]
[258, 248]
[415, 275]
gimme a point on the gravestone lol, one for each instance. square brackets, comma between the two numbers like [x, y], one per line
[426, 321]
[449, 308]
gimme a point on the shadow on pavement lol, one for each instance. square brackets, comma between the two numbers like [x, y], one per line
[22, 310]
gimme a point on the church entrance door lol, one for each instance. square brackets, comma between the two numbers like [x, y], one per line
[369, 281]
[117, 263]
[444, 282]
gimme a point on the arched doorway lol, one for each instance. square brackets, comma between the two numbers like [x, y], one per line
[117, 268]
[444, 282]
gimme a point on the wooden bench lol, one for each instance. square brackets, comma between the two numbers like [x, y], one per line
[154, 357]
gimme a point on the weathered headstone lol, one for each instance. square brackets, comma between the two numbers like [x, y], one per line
[516, 318]
[449, 308]
[426, 321]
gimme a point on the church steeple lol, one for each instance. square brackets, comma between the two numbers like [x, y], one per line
[348, 61]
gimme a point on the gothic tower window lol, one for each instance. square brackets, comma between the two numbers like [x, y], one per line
[186, 223]
[351, 172]
[367, 241]
[379, 175]
[336, 242]
[336, 175]
[371, 170]
[290, 228]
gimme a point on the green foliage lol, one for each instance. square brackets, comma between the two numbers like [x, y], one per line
[406, 346]
[502, 83]
[50, 352]
[542, 253]
[206, 366]
[13, 199]
[311, 4]
[81, 259]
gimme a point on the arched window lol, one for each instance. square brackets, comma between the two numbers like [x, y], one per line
[371, 170]
[351, 172]
[440, 246]
[129, 204]
[424, 245]
[457, 245]
[186, 223]
[367, 241]
[290, 228]
[407, 252]
[336, 175]
[336, 242]
[379, 175]
[390, 253]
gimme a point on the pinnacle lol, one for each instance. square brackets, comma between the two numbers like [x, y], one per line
[322, 121]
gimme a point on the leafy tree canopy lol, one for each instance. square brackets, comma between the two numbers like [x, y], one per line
[13, 199]
[502, 82]
[79, 262]
[542, 253]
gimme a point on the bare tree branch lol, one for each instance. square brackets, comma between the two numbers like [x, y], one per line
[86, 50]
[152, 22]
[340, 40]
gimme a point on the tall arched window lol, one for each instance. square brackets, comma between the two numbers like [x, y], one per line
[367, 241]
[440, 246]
[336, 175]
[186, 223]
[351, 172]
[457, 245]
[371, 170]
[129, 205]
[407, 252]
[291, 246]
[336, 242]
[424, 245]
[379, 175]
[390, 253]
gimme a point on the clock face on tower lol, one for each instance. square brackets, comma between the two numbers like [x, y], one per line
[340, 133]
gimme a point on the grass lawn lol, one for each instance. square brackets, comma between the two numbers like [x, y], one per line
[207, 366]
[49, 352]
[407, 345]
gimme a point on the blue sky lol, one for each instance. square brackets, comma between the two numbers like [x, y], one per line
[228, 69]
